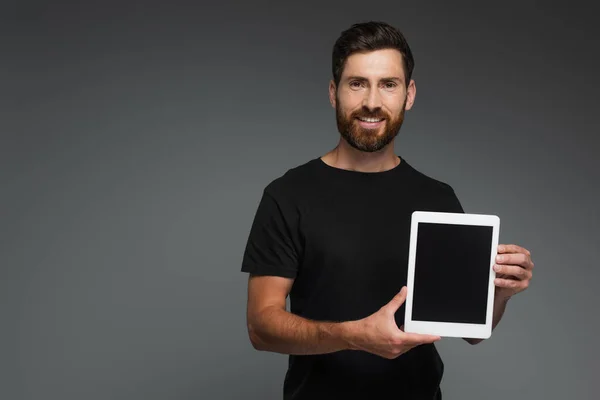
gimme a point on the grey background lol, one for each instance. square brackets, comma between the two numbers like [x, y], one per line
[137, 139]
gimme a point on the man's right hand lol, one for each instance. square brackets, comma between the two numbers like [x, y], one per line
[378, 333]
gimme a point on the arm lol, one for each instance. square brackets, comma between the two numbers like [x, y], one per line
[272, 328]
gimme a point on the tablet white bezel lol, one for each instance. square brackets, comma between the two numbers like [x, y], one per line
[447, 329]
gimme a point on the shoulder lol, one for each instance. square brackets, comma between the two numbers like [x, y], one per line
[429, 182]
[434, 194]
[293, 181]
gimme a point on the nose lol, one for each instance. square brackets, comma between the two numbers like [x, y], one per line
[372, 99]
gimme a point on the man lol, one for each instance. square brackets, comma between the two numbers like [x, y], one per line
[333, 234]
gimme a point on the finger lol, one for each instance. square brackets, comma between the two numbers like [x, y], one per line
[418, 338]
[511, 283]
[512, 271]
[512, 248]
[520, 259]
[397, 300]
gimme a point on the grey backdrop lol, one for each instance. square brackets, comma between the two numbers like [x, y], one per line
[137, 139]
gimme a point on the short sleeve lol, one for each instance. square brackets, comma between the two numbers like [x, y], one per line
[273, 246]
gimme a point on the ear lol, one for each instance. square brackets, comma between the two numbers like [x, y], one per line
[332, 90]
[411, 92]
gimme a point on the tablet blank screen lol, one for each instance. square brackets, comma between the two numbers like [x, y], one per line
[452, 267]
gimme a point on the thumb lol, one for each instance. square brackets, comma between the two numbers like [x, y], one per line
[398, 300]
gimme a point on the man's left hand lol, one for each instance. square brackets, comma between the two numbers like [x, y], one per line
[514, 270]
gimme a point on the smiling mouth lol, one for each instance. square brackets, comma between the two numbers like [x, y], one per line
[370, 123]
[370, 120]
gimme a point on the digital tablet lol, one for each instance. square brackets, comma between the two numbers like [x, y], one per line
[450, 278]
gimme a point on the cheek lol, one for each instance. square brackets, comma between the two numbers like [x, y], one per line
[394, 108]
[394, 102]
[350, 102]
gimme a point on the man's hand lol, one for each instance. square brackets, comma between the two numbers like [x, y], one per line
[378, 333]
[514, 270]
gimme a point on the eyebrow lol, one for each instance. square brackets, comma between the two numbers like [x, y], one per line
[361, 78]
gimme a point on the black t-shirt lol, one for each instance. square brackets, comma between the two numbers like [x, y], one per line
[344, 237]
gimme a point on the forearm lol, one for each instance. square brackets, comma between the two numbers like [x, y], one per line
[499, 308]
[280, 331]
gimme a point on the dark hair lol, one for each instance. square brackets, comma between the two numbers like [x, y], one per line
[370, 36]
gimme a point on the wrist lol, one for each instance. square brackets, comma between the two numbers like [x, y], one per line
[500, 298]
[347, 333]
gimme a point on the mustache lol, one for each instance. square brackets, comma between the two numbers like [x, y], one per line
[367, 114]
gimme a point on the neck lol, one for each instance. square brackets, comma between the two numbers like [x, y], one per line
[347, 157]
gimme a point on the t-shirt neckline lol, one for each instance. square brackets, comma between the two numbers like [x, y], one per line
[401, 166]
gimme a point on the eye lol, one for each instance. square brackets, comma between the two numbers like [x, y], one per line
[390, 85]
[355, 84]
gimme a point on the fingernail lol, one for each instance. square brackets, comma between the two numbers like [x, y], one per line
[496, 268]
[500, 258]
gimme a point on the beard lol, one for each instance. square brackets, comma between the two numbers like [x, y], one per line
[365, 139]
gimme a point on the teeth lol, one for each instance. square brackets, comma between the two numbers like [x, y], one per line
[371, 119]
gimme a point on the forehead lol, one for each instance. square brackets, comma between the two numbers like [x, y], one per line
[378, 63]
